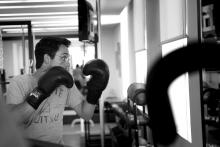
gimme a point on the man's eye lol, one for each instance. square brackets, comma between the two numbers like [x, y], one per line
[65, 58]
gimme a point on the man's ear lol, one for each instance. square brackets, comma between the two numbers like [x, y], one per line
[47, 59]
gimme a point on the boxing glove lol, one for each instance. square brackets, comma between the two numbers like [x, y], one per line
[99, 72]
[52, 79]
[136, 93]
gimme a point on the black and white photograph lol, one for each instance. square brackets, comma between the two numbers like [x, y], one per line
[109, 73]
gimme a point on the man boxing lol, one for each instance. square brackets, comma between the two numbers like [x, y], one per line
[39, 98]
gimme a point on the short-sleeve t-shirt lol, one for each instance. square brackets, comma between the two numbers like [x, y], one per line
[47, 122]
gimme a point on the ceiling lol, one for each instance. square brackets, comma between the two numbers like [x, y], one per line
[50, 16]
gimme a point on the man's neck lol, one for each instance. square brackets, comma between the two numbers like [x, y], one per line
[39, 72]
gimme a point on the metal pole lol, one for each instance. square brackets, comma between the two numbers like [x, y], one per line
[98, 7]
[98, 55]
[31, 47]
[23, 49]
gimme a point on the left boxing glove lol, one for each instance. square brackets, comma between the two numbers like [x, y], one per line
[99, 71]
[52, 79]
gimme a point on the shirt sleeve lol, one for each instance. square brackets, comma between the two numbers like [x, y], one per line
[14, 94]
[74, 97]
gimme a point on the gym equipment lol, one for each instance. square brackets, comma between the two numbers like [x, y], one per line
[30, 39]
[211, 99]
[191, 58]
[136, 93]
[93, 136]
[131, 118]
[136, 96]
[91, 139]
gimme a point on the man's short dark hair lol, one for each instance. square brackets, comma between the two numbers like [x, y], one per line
[49, 46]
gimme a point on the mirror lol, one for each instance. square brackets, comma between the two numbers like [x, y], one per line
[210, 77]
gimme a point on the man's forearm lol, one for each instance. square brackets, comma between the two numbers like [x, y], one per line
[87, 110]
[22, 112]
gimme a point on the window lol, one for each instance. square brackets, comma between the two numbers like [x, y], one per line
[179, 94]
[141, 65]
[80, 53]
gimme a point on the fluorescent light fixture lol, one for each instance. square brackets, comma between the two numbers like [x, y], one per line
[39, 26]
[35, 14]
[56, 25]
[45, 25]
[38, 6]
[13, 26]
[49, 22]
[50, 28]
[40, 17]
[54, 29]
[31, 1]
[59, 20]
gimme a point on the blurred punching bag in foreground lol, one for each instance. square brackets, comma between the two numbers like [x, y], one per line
[191, 58]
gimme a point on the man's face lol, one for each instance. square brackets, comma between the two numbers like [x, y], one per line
[61, 58]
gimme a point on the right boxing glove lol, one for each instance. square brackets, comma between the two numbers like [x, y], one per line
[99, 72]
[52, 79]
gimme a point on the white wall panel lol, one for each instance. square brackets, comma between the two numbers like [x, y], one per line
[172, 19]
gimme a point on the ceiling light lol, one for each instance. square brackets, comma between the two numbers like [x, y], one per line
[37, 6]
[53, 22]
[55, 29]
[39, 26]
[34, 14]
[30, 1]
[56, 25]
[74, 17]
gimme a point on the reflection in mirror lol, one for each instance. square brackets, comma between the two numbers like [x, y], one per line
[210, 76]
